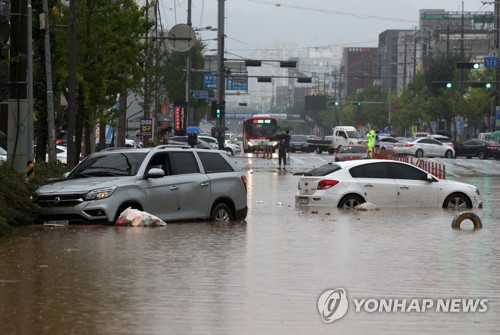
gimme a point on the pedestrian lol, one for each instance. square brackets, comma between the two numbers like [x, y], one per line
[137, 140]
[192, 139]
[282, 150]
[371, 142]
[221, 139]
[288, 138]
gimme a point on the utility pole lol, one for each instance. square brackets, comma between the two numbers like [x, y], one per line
[497, 51]
[145, 104]
[18, 103]
[188, 72]
[50, 92]
[221, 82]
[71, 129]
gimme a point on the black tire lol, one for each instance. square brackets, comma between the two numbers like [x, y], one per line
[221, 213]
[318, 150]
[481, 155]
[457, 201]
[350, 201]
[419, 153]
[448, 154]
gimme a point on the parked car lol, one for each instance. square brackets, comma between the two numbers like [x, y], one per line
[298, 143]
[230, 148]
[3, 154]
[420, 134]
[478, 148]
[385, 183]
[183, 140]
[425, 147]
[385, 143]
[351, 152]
[443, 139]
[172, 183]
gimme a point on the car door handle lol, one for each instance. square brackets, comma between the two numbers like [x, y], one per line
[174, 188]
[368, 185]
[204, 184]
[404, 187]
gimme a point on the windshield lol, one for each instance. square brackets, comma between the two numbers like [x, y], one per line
[109, 164]
[353, 134]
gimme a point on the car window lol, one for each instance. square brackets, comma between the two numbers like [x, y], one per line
[119, 164]
[351, 149]
[403, 171]
[389, 139]
[183, 163]
[323, 170]
[159, 161]
[373, 170]
[214, 162]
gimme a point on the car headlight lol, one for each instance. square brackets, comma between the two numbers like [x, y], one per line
[250, 144]
[100, 193]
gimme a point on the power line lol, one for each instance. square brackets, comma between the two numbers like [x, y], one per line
[323, 10]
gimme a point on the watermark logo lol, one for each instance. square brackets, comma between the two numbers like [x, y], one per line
[333, 305]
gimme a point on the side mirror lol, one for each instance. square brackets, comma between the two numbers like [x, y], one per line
[431, 178]
[155, 173]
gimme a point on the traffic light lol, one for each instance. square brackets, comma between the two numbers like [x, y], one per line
[468, 65]
[482, 84]
[213, 110]
[218, 112]
[448, 85]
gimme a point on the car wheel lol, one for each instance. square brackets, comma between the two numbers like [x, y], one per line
[481, 155]
[221, 213]
[350, 201]
[419, 153]
[457, 201]
[318, 150]
[229, 151]
[448, 154]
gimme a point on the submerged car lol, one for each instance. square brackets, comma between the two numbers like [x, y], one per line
[385, 183]
[170, 182]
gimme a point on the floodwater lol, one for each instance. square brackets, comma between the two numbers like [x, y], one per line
[261, 276]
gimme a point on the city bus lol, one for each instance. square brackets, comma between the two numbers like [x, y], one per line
[257, 132]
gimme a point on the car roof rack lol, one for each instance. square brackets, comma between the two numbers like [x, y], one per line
[164, 146]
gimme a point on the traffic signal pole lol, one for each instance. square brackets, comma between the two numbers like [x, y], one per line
[221, 80]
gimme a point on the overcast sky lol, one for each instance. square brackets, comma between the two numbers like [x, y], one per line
[305, 23]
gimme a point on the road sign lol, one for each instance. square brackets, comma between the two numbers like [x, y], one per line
[200, 94]
[146, 127]
[491, 62]
[209, 81]
[237, 82]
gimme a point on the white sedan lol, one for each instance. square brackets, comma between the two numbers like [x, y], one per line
[385, 183]
[229, 147]
[424, 147]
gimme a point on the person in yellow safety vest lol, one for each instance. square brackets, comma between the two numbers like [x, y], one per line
[371, 142]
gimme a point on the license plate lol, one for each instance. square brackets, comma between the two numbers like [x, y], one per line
[56, 223]
[303, 201]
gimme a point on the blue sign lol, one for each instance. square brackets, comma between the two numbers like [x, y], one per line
[200, 95]
[237, 82]
[209, 81]
[491, 62]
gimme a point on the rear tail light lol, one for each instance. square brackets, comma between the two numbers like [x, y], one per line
[326, 184]
[244, 180]
[409, 144]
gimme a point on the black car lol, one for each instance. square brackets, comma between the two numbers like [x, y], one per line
[478, 148]
[298, 143]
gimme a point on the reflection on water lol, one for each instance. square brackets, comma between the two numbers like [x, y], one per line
[260, 276]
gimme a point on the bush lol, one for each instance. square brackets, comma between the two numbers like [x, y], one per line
[16, 208]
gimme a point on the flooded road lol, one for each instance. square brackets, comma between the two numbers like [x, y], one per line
[261, 276]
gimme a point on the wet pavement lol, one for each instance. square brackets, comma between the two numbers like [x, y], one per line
[261, 276]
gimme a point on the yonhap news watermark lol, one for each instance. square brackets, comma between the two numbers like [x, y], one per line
[334, 304]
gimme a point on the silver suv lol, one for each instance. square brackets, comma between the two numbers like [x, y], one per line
[173, 183]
